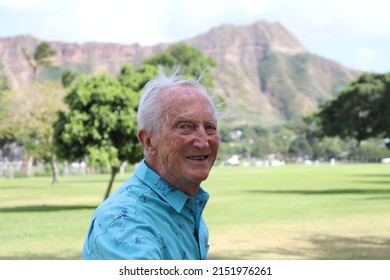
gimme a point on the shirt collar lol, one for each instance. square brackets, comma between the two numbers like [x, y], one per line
[169, 193]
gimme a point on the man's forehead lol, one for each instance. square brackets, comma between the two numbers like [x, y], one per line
[187, 103]
[180, 91]
[175, 96]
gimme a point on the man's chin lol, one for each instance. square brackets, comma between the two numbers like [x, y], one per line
[199, 177]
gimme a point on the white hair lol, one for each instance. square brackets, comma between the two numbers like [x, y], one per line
[150, 109]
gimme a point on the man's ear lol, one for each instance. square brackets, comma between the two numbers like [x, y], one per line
[145, 138]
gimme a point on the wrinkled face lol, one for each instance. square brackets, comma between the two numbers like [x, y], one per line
[187, 146]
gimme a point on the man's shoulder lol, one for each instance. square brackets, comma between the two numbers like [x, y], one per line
[126, 195]
[129, 200]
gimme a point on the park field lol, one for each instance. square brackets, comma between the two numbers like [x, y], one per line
[296, 212]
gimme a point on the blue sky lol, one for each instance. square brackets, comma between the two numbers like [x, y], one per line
[354, 33]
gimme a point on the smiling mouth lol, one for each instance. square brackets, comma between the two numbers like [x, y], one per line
[199, 158]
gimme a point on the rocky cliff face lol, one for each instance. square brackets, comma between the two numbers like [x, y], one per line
[263, 71]
[88, 57]
[267, 75]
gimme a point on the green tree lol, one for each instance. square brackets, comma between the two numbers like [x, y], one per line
[4, 86]
[192, 62]
[369, 152]
[190, 59]
[102, 122]
[136, 79]
[6, 136]
[361, 111]
[67, 78]
[300, 147]
[42, 57]
[282, 139]
[31, 124]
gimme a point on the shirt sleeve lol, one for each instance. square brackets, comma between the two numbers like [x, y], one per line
[125, 238]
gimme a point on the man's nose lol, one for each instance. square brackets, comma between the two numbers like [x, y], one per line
[201, 140]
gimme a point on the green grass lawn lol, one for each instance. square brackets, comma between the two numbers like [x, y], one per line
[289, 212]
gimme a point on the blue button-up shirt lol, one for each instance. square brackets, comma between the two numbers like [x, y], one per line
[148, 219]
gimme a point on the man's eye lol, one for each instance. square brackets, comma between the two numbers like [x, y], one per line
[211, 128]
[185, 126]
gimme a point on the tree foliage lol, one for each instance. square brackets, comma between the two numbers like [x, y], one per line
[67, 78]
[136, 79]
[192, 62]
[31, 123]
[190, 59]
[360, 111]
[43, 54]
[101, 125]
[4, 85]
[42, 57]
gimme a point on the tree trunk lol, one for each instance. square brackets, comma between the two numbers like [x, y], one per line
[114, 171]
[34, 74]
[30, 165]
[56, 173]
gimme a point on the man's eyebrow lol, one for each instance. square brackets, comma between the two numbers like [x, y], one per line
[191, 120]
[185, 119]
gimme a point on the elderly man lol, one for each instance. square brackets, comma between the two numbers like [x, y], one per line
[157, 213]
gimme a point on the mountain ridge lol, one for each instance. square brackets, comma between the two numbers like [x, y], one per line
[264, 73]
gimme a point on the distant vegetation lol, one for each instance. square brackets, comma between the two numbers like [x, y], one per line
[296, 142]
[353, 126]
[80, 118]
